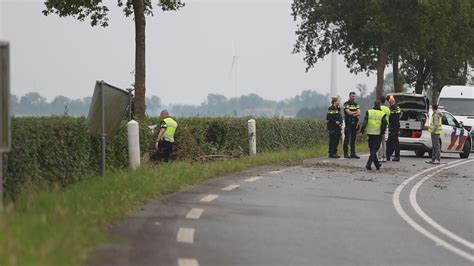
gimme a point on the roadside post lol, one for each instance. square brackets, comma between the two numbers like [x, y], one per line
[133, 144]
[252, 137]
[5, 123]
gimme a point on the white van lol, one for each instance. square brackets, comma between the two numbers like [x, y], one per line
[459, 101]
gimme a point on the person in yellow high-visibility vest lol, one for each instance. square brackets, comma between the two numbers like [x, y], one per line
[374, 125]
[435, 130]
[165, 140]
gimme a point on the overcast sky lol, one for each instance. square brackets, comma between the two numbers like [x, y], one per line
[189, 52]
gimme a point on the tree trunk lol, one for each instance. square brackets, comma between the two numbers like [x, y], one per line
[397, 85]
[139, 13]
[382, 59]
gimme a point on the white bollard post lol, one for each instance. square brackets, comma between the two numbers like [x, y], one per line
[133, 144]
[252, 137]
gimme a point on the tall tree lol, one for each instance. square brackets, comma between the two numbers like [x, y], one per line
[97, 12]
[441, 45]
[363, 31]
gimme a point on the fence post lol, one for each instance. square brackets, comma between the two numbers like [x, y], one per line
[252, 137]
[133, 144]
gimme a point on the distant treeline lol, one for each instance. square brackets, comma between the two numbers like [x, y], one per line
[309, 104]
[215, 105]
[33, 104]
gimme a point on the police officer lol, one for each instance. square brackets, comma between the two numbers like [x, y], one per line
[334, 122]
[165, 140]
[393, 130]
[374, 125]
[351, 120]
[382, 150]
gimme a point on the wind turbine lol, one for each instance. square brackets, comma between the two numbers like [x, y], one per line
[333, 75]
[234, 68]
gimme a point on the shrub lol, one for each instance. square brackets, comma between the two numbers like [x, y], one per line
[59, 150]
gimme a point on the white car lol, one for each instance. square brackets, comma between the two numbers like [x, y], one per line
[414, 123]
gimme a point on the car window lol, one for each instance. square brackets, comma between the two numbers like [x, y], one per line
[450, 121]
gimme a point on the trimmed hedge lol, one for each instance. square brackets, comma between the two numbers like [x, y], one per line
[59, 150]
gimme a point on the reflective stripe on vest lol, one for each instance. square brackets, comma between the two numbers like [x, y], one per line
[438, 129]
[171, 126]
[396, 111]
[374, 122]
[385, 110]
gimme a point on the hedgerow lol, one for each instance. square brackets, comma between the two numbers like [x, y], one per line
[60, 150]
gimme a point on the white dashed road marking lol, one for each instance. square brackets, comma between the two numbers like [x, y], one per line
[231, 187]
[187, 262]
[275, 172]
[255, 178]
[209, 198]
[185, 235]
[194, 213]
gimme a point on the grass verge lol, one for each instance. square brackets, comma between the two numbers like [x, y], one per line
[60, 226]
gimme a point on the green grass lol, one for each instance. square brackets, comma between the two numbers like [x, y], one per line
[60, 226]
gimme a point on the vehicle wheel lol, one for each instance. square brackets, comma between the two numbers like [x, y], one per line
[419, 153]
[466, 150]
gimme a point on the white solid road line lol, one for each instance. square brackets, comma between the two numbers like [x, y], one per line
[185, 235]
[231, 187]
[209, 198]
[419, 228]
[255, 178]
[427, 218]
[194, 214]
[188, 262]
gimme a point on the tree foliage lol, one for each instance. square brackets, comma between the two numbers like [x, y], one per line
[363, 31]
[433, 39]
[442, 45]
[97, 12]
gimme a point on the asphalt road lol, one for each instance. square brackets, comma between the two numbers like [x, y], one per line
[324, 212]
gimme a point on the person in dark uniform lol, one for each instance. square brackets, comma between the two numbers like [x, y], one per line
[393, 130]
[374, 125]
[351, 120]
[334, 123]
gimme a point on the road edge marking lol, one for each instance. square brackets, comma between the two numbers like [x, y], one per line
[428, 219]
[416, 226]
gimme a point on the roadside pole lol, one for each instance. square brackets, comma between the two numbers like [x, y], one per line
[5, 130]
[252, 137]
[102, 127]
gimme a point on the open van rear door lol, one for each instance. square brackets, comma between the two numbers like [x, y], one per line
[415, 111]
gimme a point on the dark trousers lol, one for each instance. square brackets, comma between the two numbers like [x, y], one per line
[393, 145]
[164, 152]
[374, 145]
[334, 137]
[350, 134]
